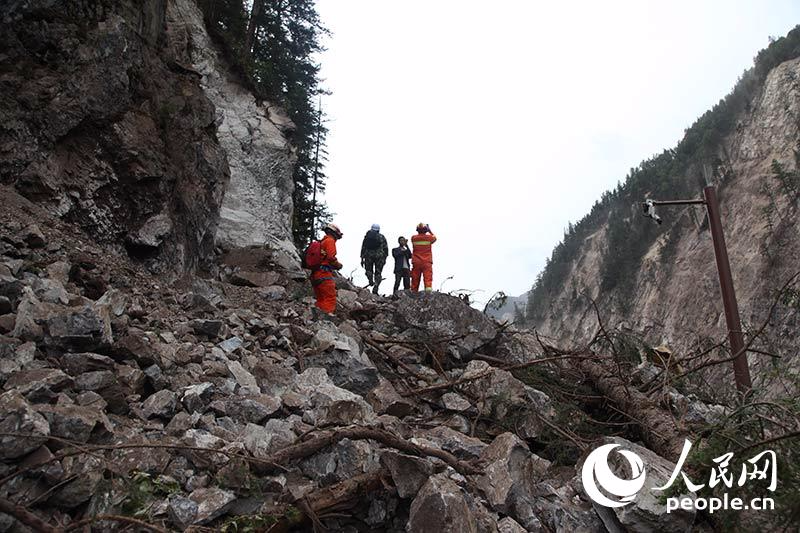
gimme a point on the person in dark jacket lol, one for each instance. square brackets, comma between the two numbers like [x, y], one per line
[402, 264]
[374, 251]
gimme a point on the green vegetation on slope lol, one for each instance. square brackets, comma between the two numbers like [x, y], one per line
[674, 173]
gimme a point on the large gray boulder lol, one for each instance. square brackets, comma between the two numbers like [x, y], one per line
[440, 316]
[18, 417]
[441, 507]
[322, 402]
[342, 357]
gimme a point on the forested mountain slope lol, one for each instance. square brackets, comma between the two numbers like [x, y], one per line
[660, 281]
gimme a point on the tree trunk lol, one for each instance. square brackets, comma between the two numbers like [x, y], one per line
[255, 12]
[658, 425]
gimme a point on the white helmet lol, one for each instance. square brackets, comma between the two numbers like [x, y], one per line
[333, 229]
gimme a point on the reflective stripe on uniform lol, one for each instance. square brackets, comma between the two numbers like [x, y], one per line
[417, 243]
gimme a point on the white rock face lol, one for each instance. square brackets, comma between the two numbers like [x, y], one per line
[257, 207]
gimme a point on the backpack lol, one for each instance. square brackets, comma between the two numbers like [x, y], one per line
[312, 258]
[372, 240]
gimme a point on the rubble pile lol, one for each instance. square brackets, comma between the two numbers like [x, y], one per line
[227, 403]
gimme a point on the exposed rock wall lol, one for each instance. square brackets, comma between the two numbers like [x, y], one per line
[122, 118]
[257, 206]
[678, 301]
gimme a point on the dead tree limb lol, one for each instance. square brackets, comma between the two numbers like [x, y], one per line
[658, 426]
[345, 491]
[114, 518]
[319, 442]
[396, 360]
[785, 436]
[83, 448]
[26, 517]
[753, 338]
[488, 372]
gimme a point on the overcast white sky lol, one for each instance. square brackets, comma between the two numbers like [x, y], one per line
[499, 122]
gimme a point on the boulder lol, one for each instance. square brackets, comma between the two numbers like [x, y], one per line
[347, 366]
[181, 510]
[208, 328]
[26, 381]
[455, 442]
[253, 409]
[17, 416]
[50, 291]
[85, 329]
[79, 363]
[455, 402]
[510, 467]
[152, 232]
[344, 460]
[254, 279]
[384, 399]
[272, 378]
[74, 422]
[5, 305]
[323, 402]
[7, 323]
[440, 507]
[96, 380]
[273, 293]
[230, 345]
[212, 503]
[200, 438]
[443, 316]
[509, 525]
[138, 347]
[196, 397]
[29, 311]
[261, 441]
[33, 236]
[408, 473]
[161, 404]
[86, 473]
[244, 378]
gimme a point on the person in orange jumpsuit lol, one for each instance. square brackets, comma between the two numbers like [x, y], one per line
[422, 258]
[322, 278]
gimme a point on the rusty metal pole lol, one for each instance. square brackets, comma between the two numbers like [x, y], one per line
[740, 369]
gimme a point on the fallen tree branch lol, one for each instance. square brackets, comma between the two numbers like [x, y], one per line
[659, 428]
[83, 448]
[487, 372]
[752, 339]
[25, 516]
[396, 360]
[113, 518]
[785, 436]
[317, 443]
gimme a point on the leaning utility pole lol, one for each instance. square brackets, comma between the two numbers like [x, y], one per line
[741, 371]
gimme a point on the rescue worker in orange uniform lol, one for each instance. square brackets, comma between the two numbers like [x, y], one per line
[422, 258]
[322, 278]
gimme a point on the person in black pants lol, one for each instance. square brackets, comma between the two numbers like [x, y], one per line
[402, 264]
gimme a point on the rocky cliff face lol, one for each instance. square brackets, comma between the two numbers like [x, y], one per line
[677, 301]
[122, 118]
[257, 205]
